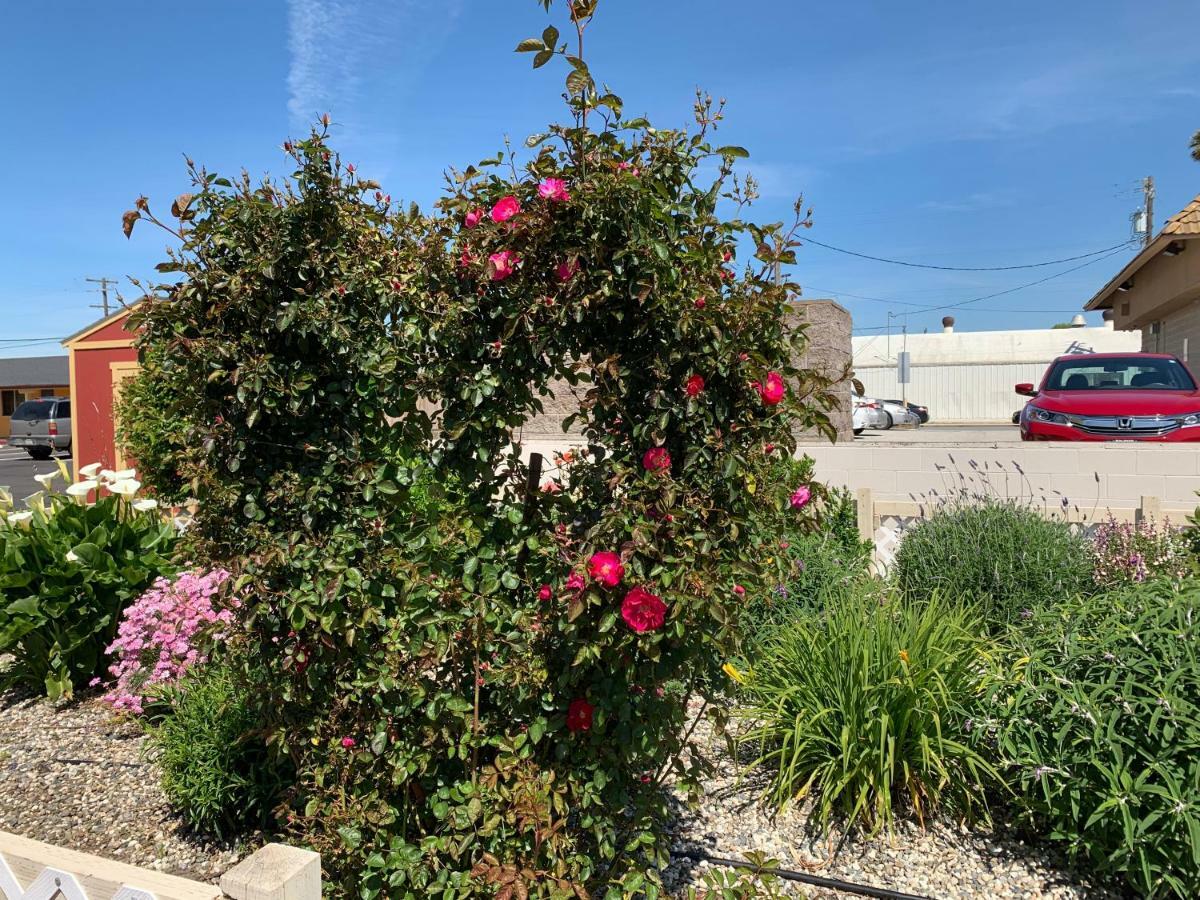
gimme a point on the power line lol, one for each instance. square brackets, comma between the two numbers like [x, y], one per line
[912, 265]
[104, 283]
[23, 339]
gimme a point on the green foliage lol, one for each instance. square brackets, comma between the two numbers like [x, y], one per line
[65, 575]
[757, 881]
[1100, 723]
[151, 431]
[865, 705]
[401, 658]
[996, 552]
[215, 767]
[806, 557]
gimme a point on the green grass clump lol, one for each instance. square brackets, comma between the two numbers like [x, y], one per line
[865, 706]
[998, 553]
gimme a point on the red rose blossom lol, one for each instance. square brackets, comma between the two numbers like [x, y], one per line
[473, 218]
[505, 209]
[772, 390]
[565, 271]
[643, 611]
[579, 715]
[545, 592]
[575, 582]
[700, 302]
[657, 459]
[695, 385]
[605, 567]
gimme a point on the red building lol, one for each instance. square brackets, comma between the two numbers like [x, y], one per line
[102, 356]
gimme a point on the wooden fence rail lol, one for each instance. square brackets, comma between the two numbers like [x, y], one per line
[31, 870]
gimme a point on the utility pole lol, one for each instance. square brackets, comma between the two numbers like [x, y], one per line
[104, 283]
[1148, 207]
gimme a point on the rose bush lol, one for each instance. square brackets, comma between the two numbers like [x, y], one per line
[484, 695]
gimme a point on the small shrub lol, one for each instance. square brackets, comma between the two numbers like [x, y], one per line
[67, 569]
[864, 706]
[214, 761]
[1128, 553]
[1102, 732]
[164, 633]
[1002, 554]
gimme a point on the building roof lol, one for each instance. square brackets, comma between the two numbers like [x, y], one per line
[100, 323]
[1185, 225]
[34, 371]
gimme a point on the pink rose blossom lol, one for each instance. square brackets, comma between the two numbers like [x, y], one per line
[554, 190]
[657, 459]
[801, 496]
[565, 271]
[575, 582]
[739, 590]
[503, 264]
[643, 611]
[701, 303]
[473, 218]
[629, 167]
[772, 390]
[505, 209]
[545, 592]
[550, 486]
[348, 743]
[606, 568]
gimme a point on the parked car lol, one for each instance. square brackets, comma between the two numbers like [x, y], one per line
[869, 414]
[1113, 396]
[921, 411]
[901, 413]
[41, 427]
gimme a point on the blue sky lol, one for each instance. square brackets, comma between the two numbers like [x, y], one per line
[951, 133]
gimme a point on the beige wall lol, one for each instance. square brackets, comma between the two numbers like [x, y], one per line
[1178, 333]
[1161, 285]
[1091, 477]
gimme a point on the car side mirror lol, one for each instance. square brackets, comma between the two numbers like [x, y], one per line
[1026, 389]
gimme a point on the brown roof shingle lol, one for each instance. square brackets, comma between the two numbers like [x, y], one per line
[1186, 221]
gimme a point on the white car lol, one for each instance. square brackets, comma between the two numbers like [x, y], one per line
[868, 413]
[899, 415]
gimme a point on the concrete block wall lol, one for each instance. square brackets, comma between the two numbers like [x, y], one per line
[1086, 477]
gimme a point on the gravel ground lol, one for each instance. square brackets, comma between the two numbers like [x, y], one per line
[944, 861]
[72, 775]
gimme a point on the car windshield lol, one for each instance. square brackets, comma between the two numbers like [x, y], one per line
[33, 409]
[1120, 374]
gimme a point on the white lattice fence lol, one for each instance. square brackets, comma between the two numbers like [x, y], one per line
[31, 870]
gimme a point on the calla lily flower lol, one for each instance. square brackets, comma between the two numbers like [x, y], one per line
[145, 504]
[90, 470]
[62, 470]
[71, 557]
[45, 479]
[126, 487]
[124, 475]
[108, 475]
[81, 489]
[20, 518]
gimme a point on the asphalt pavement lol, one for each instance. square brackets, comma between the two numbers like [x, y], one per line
[17, 470]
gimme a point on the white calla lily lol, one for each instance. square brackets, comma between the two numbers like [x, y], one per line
[82, 488]
[45, 479]
[71, 557]
[62, 470]
[145, 504]
[126, 487]
[108, 475]
[20, 518]
[124, 475]
[90, 470]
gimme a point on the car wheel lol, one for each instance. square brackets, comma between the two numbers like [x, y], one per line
[890, 421]
[858, 431]
[39, 452]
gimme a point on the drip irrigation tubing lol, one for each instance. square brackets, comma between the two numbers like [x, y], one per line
[847, 887]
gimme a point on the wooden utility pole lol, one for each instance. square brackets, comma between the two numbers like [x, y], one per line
[1148, 206]
[104, 283]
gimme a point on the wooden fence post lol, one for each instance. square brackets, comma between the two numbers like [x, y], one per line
[866, 514]
[275, 872]
[1149, 510]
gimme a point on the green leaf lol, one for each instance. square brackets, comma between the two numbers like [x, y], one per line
[550, 37]
[530, 45]
[733, 152]
[542, 58]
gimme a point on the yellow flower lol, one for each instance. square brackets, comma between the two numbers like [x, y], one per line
[751, 484]
[732, 671]
[904, 657]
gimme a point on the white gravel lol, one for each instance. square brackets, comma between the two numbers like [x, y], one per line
[73, 775]
[944, 861]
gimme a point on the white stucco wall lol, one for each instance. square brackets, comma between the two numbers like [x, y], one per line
[968, 376]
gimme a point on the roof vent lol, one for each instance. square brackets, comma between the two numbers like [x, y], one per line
[947, 324]
[1078, 321]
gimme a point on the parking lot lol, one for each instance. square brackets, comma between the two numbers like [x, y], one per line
[967, 435]
[17, 471]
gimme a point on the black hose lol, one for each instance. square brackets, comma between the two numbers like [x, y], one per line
[863, 890]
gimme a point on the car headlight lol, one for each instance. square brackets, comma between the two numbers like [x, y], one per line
[1190, 419]
[1037, 414]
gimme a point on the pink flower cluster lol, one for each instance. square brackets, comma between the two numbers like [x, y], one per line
[1128, 553]
[160, 635]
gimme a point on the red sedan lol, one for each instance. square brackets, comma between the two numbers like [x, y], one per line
[1113, 397]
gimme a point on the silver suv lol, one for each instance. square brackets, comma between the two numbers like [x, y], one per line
[42, 427]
